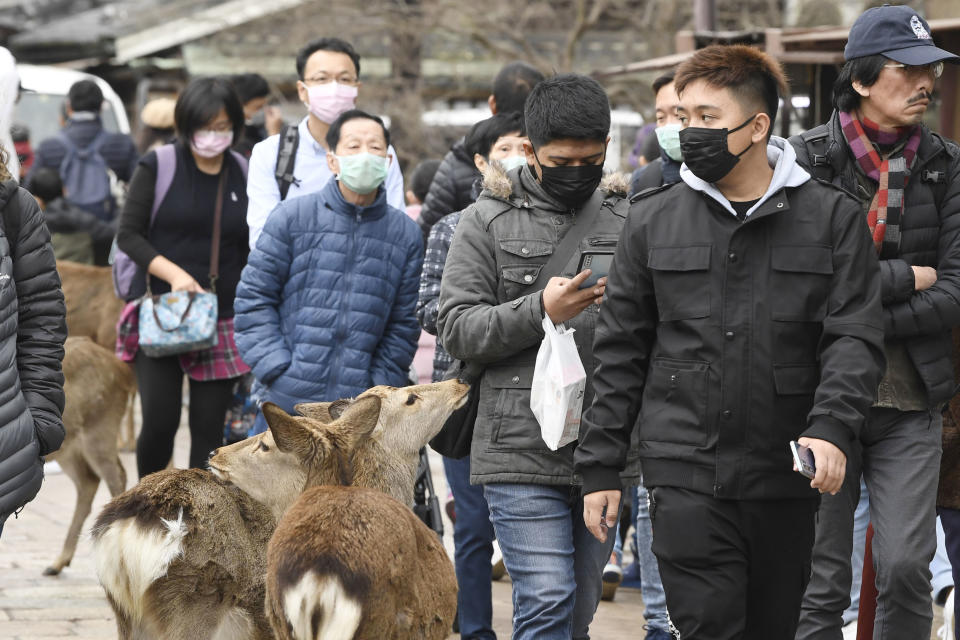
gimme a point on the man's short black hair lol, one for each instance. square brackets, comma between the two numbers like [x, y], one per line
[569, 105]
[250, 86]
[200, 103]
[663, 81]
[864, 70]
[485, 133]
[85, 95]
[333, 134]
[650, 148]
[326, 44]
[45, 183]
[422, 176]
[513, 84]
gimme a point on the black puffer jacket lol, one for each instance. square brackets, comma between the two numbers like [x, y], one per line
[930, 237]
[451, 189]
[32, 332]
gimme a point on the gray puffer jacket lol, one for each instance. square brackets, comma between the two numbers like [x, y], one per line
[490, 314]
[32, 332]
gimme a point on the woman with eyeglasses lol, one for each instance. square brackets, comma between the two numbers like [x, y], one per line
[171, 242]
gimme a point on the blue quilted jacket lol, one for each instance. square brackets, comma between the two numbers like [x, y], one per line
[326, 305]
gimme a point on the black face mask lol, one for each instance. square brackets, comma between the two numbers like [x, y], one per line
[571, 186]
[705, 151]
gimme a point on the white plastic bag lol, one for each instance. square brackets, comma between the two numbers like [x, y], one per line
[556, 395]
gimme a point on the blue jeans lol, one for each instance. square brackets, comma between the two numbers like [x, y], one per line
[472, 551]
[651, 589]
[555, 564]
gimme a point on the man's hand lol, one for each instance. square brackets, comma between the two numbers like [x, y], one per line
[593, 508]
[831, 465]
[563, 298]
[923, 277]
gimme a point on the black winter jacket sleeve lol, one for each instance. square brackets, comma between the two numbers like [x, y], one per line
[42, 328]
[937, 309]
[450, 190]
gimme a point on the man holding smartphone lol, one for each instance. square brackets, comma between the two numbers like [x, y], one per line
[742, 311]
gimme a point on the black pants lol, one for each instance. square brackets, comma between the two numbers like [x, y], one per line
[160, 381]
[732, 570]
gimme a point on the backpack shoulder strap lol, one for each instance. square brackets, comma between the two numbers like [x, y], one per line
[286, 158]
[241, 160]
[166, 168]
[811, 148]
[937, 176]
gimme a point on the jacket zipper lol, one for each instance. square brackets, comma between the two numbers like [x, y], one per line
[338, 336]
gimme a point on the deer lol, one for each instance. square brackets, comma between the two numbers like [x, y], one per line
[183, 554]
[93, 310]
[98, 388]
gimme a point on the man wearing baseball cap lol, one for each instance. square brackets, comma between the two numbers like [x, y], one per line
[908, 181]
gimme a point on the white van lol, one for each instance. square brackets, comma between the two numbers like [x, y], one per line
[44, 91]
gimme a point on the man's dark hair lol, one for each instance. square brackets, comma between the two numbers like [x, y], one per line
[45, 183]
[864, 70]
[326, 44]
[513, 84]
[250, 86]
[485, 133]
[85, 95]
[200, 103]
[333, 134]
[755, 78]
[567, 106]
[662, 81]
[422, 176]
[650, 149]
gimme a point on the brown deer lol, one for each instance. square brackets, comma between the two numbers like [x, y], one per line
[183, 554]
[353, 563]
[98, 387]
[93, 310]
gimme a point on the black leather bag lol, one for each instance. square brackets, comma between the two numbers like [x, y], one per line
[456, 436]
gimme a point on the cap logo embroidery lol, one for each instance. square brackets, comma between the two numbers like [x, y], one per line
[918, 29]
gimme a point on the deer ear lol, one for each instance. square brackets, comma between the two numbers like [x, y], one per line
[337, 407]
[360, 418]
[319, 411]
[288, 431]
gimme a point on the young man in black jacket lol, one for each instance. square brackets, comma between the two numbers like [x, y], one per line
[742, 312]
[908, 181]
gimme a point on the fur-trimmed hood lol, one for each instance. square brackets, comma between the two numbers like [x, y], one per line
[502, 185]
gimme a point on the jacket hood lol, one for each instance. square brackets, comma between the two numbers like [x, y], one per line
[503, 185]
[786, 173]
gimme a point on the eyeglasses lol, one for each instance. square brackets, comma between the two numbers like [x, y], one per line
[347, 80]
[935, 68]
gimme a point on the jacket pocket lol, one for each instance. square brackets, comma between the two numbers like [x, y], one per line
[513, 425]
[522, 260]
[681, 281]
[800, 282]
[675, 402]
[796, 379]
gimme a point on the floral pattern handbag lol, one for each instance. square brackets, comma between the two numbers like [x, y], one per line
[178, 322]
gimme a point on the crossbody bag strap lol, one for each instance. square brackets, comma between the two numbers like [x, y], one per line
[215, 240]
[582, 223]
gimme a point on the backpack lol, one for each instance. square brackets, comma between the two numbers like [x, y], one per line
[825, 167]
[286, 159]
[86, 181]
[124, 269]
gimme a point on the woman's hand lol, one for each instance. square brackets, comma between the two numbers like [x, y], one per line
[185, 282]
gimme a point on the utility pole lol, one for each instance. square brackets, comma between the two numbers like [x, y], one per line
[704, 15]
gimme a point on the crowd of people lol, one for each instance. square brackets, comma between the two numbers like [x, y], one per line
[766, 297]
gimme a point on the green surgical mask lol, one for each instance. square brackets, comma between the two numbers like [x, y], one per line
[669, 138]
[512, 162]
[362, 172]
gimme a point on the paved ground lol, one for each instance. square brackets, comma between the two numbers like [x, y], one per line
[34, 607]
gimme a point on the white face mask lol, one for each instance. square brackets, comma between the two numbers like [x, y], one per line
[512, 162]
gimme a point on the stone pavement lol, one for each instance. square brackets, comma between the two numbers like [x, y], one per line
[72, 605]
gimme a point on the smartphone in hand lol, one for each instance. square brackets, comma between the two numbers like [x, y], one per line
[803, 459]
[599, 265]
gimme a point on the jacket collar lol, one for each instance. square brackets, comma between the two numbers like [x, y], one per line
[786, 173]
[334, 200]
[520, 188]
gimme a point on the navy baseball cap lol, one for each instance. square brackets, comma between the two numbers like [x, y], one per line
[897, 32]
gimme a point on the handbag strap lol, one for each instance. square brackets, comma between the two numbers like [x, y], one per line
[217, 217]
[191, 296]
[582, 223]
